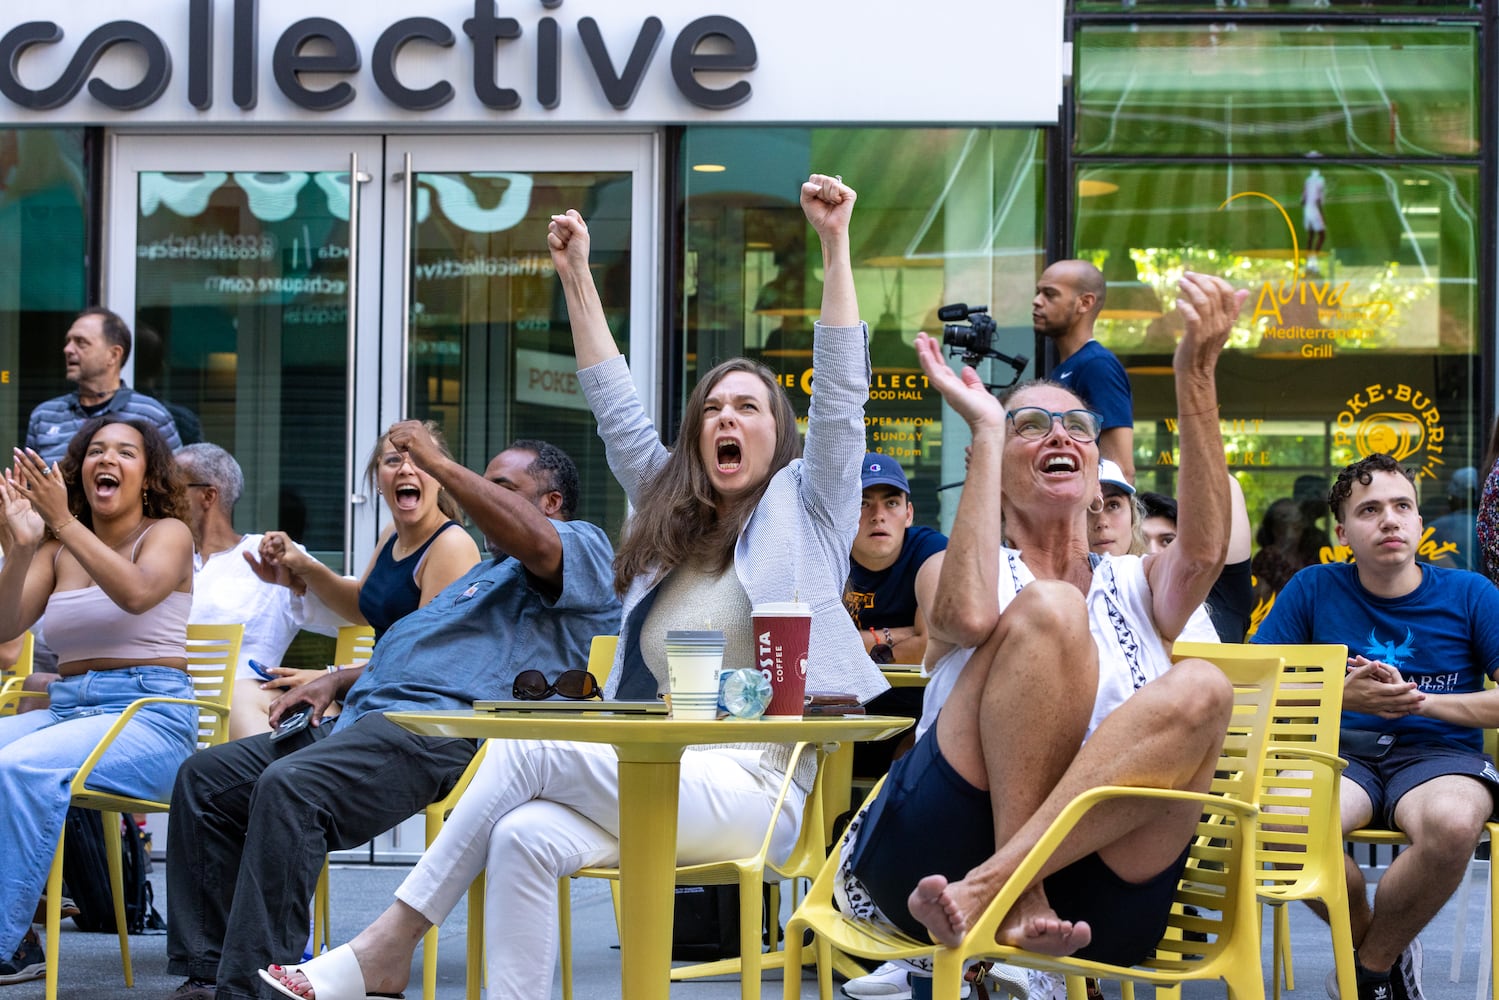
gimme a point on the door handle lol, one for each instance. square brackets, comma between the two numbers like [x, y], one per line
[356, 178]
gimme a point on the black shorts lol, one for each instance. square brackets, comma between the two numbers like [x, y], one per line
[1386, 779]
[930, 820]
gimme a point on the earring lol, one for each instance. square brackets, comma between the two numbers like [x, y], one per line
[1096, 507]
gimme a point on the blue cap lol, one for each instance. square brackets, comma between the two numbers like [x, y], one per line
[882, 470]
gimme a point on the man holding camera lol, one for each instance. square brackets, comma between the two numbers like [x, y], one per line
[1069, 296]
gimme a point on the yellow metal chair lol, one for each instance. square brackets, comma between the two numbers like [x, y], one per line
[1219, 882]
[355, 644]
[13, 675]
[1299, 849]
[212, 652]
[749, 874]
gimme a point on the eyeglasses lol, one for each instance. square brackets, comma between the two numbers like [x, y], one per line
[1034, 422]
[532, 685]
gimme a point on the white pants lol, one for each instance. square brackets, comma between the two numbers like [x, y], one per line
[539, 810]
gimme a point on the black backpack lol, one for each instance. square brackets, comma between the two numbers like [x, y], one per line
[86, 873]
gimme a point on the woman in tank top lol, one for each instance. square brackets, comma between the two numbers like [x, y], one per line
[417, 555]
[99, 542]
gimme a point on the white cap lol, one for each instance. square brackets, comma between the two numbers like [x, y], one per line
[1109, 474]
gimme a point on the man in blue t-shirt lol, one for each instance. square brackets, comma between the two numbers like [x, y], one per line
[1421, 639]
[253, 819]
[1069, 296]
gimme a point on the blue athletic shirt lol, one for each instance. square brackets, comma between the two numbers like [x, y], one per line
[1098, 377]
[886, 598]
[1444, 635]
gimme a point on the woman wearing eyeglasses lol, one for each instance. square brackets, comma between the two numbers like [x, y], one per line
[1040, 647]
[728, 518]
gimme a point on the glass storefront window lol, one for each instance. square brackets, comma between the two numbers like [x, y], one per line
[1242, 89]
[944, 215]
[1367, 342]
[43, 253]
[1319, 8]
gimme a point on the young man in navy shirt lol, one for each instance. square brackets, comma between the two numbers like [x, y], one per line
[1421, 639]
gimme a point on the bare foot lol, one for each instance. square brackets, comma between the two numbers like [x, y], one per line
[1033, 925]
[939, 905]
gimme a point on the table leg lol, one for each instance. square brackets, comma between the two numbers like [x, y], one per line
[647, 870]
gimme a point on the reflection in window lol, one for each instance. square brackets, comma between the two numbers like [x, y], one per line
[943, 215]
[1238, 89]
[1240, 8]
[1369, 343]
[43, 250]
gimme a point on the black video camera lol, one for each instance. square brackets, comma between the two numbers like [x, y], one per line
[974, 340]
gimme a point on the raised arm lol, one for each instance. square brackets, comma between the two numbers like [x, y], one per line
[162, 565]
[1181, 577]
[828, 204]
[569, 242]
[965, 607]
[505, 517]
[26, 578]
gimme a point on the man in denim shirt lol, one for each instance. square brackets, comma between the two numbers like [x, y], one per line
[252, 820]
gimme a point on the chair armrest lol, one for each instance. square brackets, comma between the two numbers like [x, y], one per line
[87, 767]
[786, 783]
[1331, 761]
[12, 693]
[1030, 866]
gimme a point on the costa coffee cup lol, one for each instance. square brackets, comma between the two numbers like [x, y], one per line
[783, 631]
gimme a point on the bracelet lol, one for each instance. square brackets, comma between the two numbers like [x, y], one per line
[1201, 412]
[58, 530]
[889, 640]
[874, 633]
[333, 668]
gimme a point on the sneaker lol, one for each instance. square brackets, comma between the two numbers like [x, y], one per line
[1006, 979]
[1046, 985]
[1373, 985]
[28, 963]
[888, 982]
[1405, 975]
[194, 989]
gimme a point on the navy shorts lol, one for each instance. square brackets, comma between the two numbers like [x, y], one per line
[930, 820]
[1386, 779]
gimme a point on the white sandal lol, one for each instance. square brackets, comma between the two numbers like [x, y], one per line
[333, 976]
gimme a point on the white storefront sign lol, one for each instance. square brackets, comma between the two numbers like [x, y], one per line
[584, 62]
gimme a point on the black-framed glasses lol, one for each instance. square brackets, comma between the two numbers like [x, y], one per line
[1033, 422]
[532, 685]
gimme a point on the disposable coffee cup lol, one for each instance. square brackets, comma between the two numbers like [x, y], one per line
[783, 631]
[694, 659]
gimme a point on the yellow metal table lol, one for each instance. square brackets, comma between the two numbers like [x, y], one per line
[650, 754]
[904, 675]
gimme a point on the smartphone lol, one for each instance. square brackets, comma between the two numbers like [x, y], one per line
[263, 670]
[292, 724]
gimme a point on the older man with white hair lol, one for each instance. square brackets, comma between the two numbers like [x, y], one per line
[227, 590]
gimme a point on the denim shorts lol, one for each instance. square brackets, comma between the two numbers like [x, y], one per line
[929, 820]
[1386, 779]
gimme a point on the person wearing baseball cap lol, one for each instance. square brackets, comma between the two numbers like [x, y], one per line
[1114, 518]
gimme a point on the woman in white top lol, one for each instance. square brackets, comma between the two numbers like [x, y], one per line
[1039, 647]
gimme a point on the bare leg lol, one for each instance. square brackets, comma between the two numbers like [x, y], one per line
[384, 949]
[1167, 736]
[1443, 818]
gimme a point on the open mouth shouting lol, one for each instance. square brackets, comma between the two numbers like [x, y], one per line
[729, 455]
[1059, 465]
[408, 496]
[106, 485]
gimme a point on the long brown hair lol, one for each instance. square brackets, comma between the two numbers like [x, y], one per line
[677, 519]
[164, 493]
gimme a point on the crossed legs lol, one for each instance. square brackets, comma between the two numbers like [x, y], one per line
[1168, 735]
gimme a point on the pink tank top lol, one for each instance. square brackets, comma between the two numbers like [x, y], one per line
[87, 624]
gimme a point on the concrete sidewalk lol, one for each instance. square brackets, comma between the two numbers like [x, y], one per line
[91, 967]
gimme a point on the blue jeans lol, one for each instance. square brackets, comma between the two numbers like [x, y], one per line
[41, 751]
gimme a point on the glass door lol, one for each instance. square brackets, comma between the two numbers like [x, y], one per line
[248, 268]
[476, 319]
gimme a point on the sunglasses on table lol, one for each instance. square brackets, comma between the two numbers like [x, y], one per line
[532, 685]
[1033, 422]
